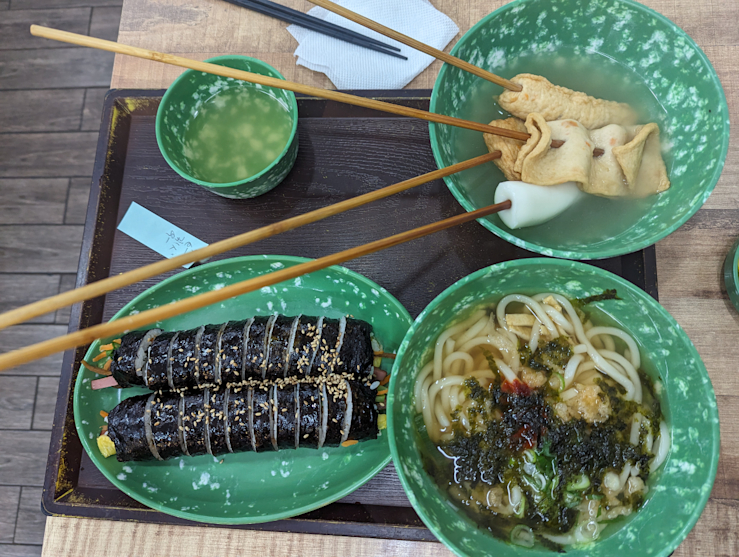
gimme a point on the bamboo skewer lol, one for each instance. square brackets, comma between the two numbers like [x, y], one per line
[413, 43]
[111, 46]
[103, 330]
[106, 285]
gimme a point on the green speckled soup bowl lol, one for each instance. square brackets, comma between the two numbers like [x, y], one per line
[731, 274]
[614, 49]
[678, 490]
[184, 98]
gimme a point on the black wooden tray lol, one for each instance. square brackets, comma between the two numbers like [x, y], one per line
[344, 151]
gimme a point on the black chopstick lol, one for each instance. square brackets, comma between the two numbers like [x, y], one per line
[289, 15]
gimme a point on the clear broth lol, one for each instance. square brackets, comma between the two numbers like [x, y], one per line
[236, 133]
[593, 219]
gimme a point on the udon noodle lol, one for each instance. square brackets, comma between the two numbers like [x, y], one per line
[544, 424]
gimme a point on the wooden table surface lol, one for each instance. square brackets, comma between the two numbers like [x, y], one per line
[689, 267]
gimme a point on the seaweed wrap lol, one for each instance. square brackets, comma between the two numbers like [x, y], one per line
[231, 350]
[184, 356]
[364, 412]
[262, 418]
[286, 416]
[129, 359]
[264, 347]
[255, 357]
[239, 434]
[266, 416]
[279, 345]
[310, 418]
[207, 366]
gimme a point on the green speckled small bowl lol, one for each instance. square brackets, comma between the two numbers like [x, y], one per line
[186, 95]
[679, 489]
[642, 58]
[731, 274]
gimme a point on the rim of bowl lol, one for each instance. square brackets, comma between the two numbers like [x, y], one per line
[216, 185]
[537, 261]
[731, 274]
[575, 254]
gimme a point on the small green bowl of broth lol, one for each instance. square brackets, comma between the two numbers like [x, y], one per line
[586, 424]
[618, 50]
[236, 139]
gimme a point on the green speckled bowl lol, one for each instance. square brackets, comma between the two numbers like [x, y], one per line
[679, 489]
[183, 99]
[731, 274]
[615, 49]
[246, 488]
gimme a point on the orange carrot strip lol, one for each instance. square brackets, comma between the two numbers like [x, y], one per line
[349, 443]
[99, 356]
[116, 341]
[382, 392]
[103, 413]
[385, 381]
[94, 369]
[106, 347]
[106, 367]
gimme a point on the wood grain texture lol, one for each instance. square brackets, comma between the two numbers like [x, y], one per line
[16, 402]
[47, 154]
[9, 495]
[39, 249]
[43, 408]
[43, 4]
[64, 67]
[93, 108]
[23, 335]
[14, 33]
[46, 110]
[26, 200]
[104, 22]
[23, 457]
[29, 528]
[77, 537]
[19, 289]
[18, 550]
[79, 194]
[67, 283]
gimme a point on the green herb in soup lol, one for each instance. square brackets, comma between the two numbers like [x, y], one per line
[236, 134]
[540, 423]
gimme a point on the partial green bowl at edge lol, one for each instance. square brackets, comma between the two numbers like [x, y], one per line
[731, 274]
[678, 490]
[651, 48]
[184, 97]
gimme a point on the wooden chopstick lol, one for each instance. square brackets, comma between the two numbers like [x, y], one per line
[111, 46]
[413, 43]
[103, 330]
[114, 282]
[295, 17]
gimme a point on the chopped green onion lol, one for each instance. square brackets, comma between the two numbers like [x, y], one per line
[561, 381]
[579, 484]
[594, 496]
[571, 500]
[522, 535]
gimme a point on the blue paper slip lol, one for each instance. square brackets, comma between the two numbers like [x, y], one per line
[158, 234]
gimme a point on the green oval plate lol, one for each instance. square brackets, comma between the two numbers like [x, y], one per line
[650, 62]
[679, 489]
[248, 487]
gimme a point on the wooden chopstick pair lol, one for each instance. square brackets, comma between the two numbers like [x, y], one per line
[283, 13]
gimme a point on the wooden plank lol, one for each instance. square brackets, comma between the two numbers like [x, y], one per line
[58, 67]
[43, 409]
[31, 521]
[14, 26]
[47, 154]
[16, 402]
[67, 283]
[726, 485]
[23, 335]
[33, 200]
[47, 110]
[93, 109]
[79, 195]
[4, 5]
[715, 533]
[17, 550]
[78, 537]
[45, 4]
[23, 457]
[10, 496]
[40, 249]
[104, 23]
[21, 289]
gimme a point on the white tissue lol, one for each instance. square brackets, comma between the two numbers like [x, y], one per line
[352, 67]
[532, 205]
